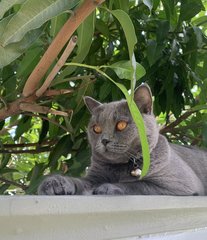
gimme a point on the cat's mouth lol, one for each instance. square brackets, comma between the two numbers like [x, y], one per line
[116, 148]
[116, 152]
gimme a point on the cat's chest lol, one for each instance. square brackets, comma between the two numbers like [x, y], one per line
[120, 173]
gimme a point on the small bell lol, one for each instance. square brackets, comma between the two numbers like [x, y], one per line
[136, 172]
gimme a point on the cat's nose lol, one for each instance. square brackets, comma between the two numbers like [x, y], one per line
[105, 141]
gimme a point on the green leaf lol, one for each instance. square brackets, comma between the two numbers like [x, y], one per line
[155, 4]
[7, 170]
[162, 31]
[53, 128]
[105, 90]
[5, 160]
[5, 5]
[35, 177]
[171, 13]
[137, 117]
[131, 39]
[189, 8]
[29, 61]
[149, 4]
[23, 126]
[124, 70]
[62, 148]
[122, 4]
[102, 27]
[32, 15]
[85, 37]
[3, 188]
[128, 29]
[13, 51]
[44, 131]
[198, 108]
[57, 23]
[154, 51]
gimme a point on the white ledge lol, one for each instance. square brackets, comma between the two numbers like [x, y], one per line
[103, 217]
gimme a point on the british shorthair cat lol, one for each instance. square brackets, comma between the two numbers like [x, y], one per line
[116, 160]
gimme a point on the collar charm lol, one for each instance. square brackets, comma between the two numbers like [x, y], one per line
[134, 166]
[136, 172]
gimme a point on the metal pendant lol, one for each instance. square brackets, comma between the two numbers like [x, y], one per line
[134, 166]
[136, 172]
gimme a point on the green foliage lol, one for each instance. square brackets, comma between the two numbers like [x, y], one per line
[161, 42]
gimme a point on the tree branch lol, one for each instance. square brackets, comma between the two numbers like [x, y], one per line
[31, 151]
[80, 14]
[22, 186]
[56, 92]
[48, 119]
[172, 125]
[58, 66]
[33, 107]
[26, 145]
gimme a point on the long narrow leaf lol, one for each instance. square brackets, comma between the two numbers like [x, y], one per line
[13, 51]
[32, 15]
[131, 39]
[5, 5]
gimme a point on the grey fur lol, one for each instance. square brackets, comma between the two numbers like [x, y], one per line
[174, 169]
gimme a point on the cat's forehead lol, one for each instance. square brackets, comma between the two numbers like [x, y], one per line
[111, 111]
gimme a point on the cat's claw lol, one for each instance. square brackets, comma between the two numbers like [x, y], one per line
[57, 185]
[108, 189]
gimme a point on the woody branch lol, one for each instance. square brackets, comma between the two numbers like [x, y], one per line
[29, 92]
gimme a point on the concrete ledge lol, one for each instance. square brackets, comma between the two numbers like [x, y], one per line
[102, 217]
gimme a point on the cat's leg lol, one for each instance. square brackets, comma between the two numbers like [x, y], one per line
[155, 188]
[108, 189]
[62, 185]
[132, 188]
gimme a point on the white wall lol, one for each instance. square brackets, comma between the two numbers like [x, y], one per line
[101, 217]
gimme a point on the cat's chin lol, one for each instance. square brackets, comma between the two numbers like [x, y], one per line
[113, 157]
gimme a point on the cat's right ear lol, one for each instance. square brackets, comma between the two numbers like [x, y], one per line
[91, 103]
[143, 98]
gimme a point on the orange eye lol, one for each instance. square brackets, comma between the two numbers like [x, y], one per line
[97, 129]
[121, 125]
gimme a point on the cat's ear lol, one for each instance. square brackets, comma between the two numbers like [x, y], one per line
[91, 103]
[143, 98]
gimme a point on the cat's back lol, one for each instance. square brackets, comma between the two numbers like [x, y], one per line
[196, 158]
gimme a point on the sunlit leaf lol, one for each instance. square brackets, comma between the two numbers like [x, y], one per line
[149, 4]
[128, 29]
[32, 15]
[13, 51]
[124, 70]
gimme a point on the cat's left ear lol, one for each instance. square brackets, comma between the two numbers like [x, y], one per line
[91, 103]
[143, 98]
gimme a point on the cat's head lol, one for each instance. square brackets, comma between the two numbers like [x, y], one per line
[112, 133]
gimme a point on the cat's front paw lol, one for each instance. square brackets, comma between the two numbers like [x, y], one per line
[108, 189]
[57, 185]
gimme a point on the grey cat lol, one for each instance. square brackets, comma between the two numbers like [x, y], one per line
[116, 160]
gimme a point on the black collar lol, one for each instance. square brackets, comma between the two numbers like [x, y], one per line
[135, 166]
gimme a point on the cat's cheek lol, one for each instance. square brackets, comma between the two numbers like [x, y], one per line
[99, 148]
